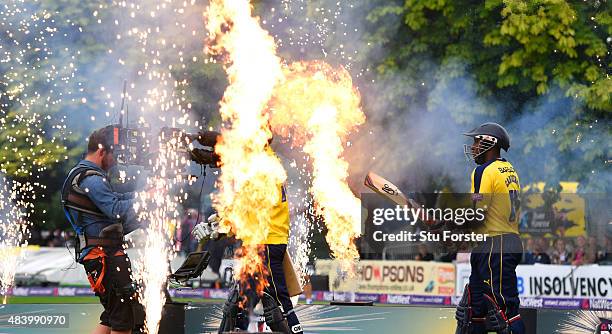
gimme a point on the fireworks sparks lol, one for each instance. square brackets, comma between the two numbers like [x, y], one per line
[13, 233]
[583, 322]
[36, 76]
[158, 36]
[35, 80]
[158, 208]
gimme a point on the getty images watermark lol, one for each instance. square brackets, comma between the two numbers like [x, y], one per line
[409, 216]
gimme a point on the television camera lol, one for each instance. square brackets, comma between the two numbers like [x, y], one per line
[135, 146]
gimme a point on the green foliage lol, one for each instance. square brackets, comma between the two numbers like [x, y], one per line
[548, 42]
[207, 82]
[24, 149]
[531, 45]
[50, 92]
[520, 54]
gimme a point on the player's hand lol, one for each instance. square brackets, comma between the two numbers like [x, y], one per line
[208, 229]
[203, 231]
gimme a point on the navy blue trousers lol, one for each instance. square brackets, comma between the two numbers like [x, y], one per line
[277, 285]
[494, 273]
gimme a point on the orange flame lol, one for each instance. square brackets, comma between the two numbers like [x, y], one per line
[249, 184]
[311, 100]
[318, 106]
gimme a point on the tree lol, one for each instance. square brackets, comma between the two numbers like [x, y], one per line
[62, 58]
[37, 78]
[525, 57]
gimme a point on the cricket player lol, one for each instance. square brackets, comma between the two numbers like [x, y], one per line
[281, 277]
[490, 301]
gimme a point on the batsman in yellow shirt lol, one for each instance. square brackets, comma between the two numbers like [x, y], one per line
[282, 280]
[490, 301]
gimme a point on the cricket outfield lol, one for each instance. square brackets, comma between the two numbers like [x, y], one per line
[80, 314]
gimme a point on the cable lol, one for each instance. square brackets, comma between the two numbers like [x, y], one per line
[203, 173]
[72, 264]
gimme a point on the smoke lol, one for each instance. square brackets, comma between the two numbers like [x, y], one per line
[417, 112]
[87, 53]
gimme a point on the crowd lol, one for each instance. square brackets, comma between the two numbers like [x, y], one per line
[538, 249]
[50, 238]
[575, 251]
[571, 251]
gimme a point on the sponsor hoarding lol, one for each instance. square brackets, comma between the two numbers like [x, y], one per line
[556, 281]
[397, 277]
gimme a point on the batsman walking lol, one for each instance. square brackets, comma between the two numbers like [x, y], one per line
[490, 301]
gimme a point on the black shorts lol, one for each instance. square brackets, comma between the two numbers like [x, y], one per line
[117, 298]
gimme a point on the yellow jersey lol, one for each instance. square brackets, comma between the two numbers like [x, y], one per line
[279, 220]
[496, 189]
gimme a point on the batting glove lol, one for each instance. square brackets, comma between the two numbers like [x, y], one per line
[208, 229]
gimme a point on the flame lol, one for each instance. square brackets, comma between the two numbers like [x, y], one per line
[249, 185]
[311, 100]
[318, 106]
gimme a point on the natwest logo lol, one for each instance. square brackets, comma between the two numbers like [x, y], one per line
[532, 302]
[600, 304]
[398, 299]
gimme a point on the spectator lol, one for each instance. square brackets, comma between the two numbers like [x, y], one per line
[544, 244]
[423, 254]
[581, 254]
[570, 245]
[185, 242]
[448, 257]
[606, 257]
[593, 250]
[463, 257]
[35, 236]
[55, 239]
[528, 253]
[539, 254]
[560, 254]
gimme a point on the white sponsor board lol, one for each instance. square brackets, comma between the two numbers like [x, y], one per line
[541, 280]
[57, 265]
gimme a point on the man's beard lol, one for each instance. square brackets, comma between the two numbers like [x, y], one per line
[480, 160]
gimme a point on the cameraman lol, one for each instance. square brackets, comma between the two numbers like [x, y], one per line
[101, 217]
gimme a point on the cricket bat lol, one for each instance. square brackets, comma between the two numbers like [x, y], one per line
[390, 191]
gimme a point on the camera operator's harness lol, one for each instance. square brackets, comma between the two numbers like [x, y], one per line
[109, 243]
[75, 198]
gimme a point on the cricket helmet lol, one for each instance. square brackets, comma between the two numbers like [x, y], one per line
[490, 135]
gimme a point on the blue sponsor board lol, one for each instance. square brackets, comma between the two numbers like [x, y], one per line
[327, 296]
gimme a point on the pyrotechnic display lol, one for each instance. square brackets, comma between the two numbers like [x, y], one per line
[291, 166]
